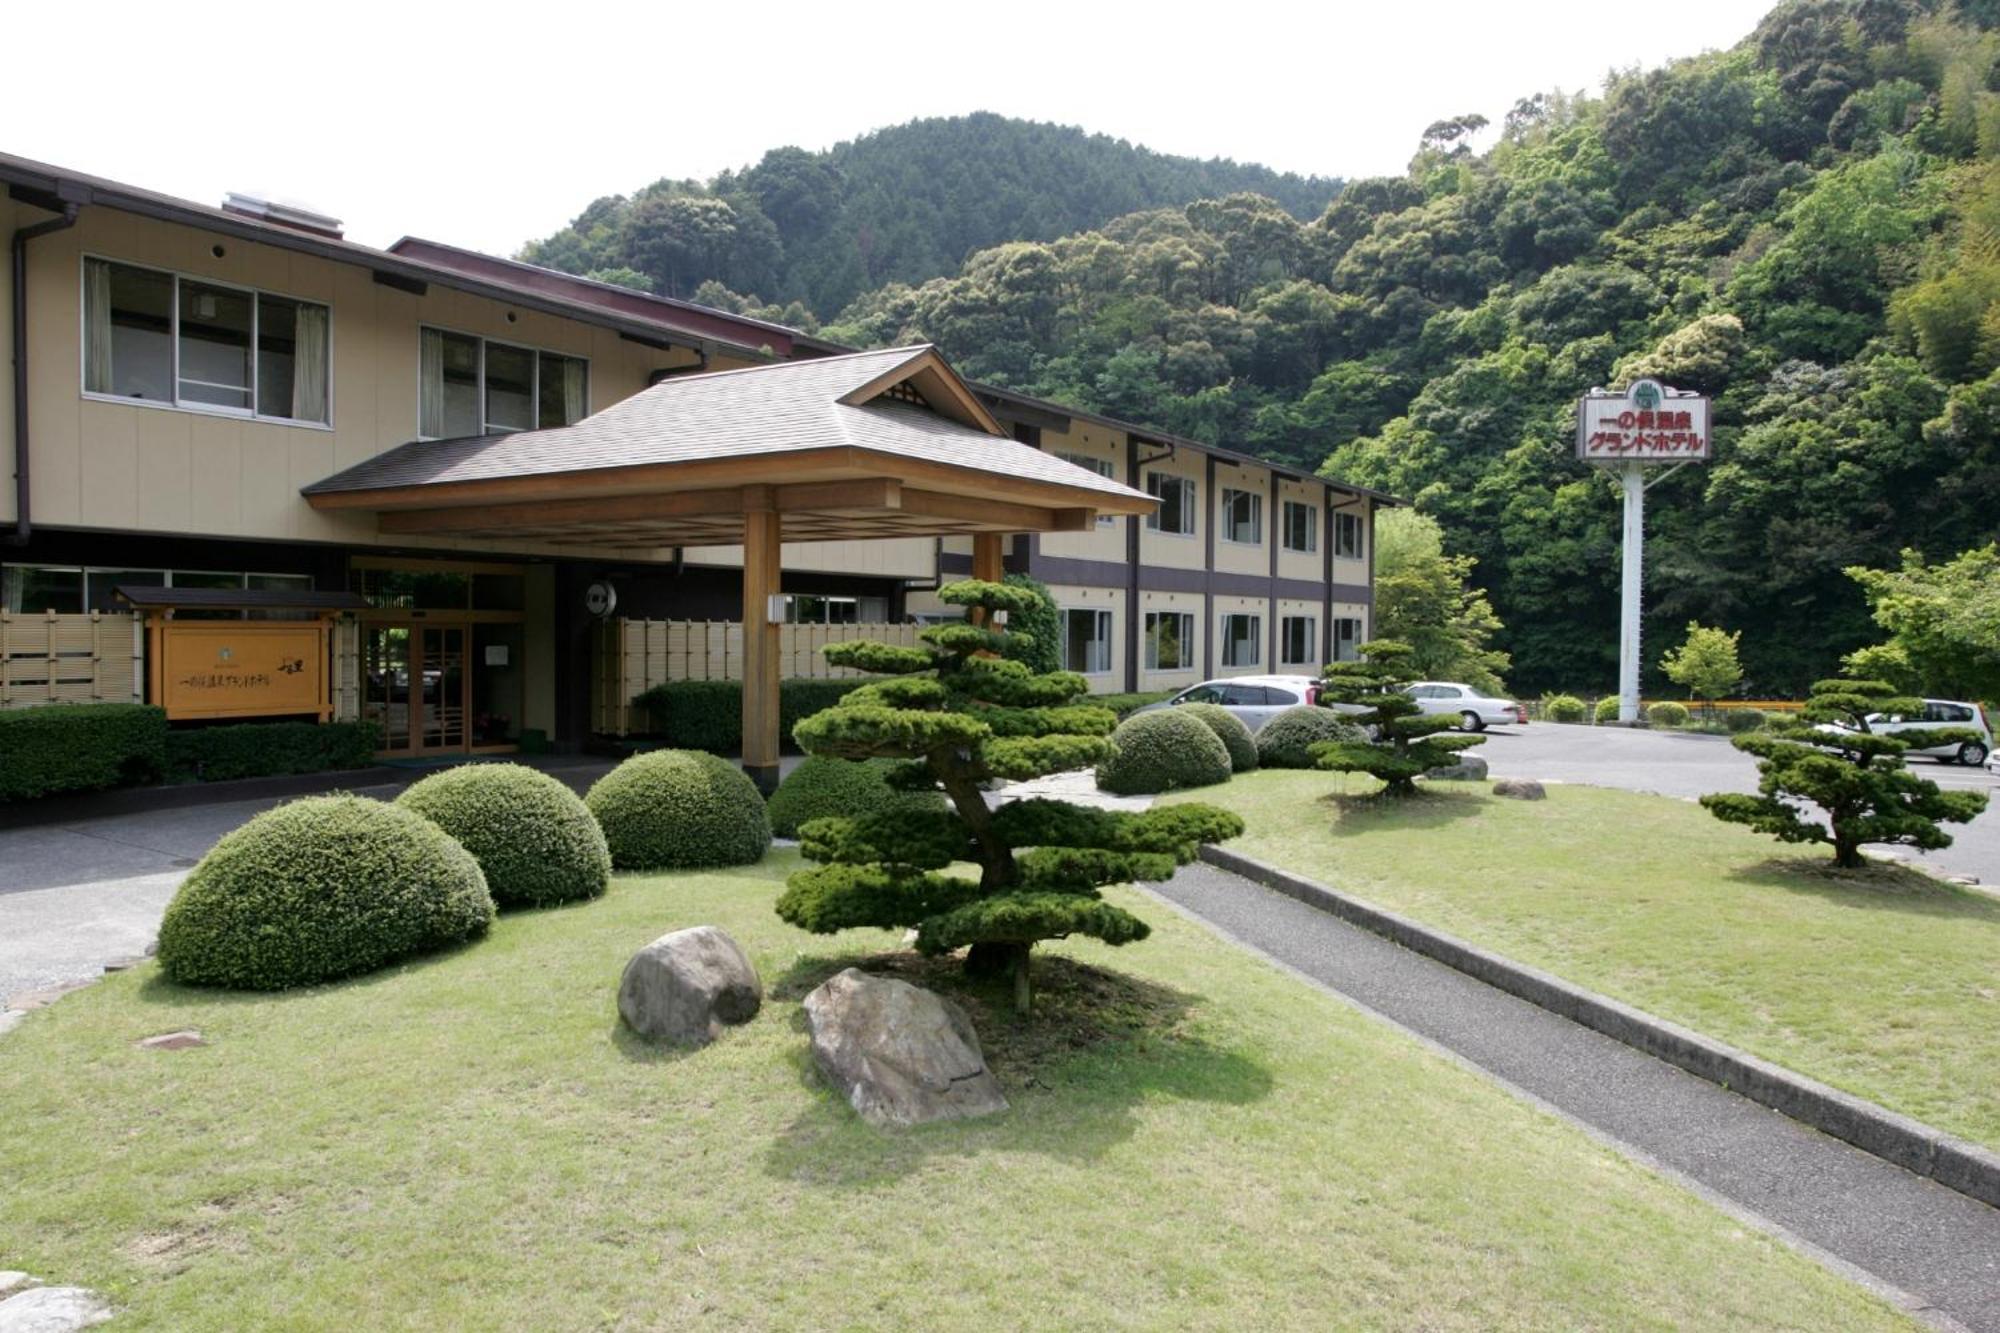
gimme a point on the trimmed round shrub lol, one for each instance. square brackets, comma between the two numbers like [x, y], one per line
[319, 889]
[1607, 709]
[1163, 751]
[1667, 713]
[824, 785]
[680, 810]
[1228, 729]
[1286, 741]
[1743, 719]
[533, 837]
[1563, 708]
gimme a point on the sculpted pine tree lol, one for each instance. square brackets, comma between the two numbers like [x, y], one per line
[1407, 744]
[1828, 756]
[963, 715]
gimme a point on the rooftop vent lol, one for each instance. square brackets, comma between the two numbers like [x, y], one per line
[283, 214]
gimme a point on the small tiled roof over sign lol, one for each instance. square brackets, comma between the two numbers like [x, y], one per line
[150, 598]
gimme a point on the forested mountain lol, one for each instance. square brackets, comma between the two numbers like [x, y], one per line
[903, 204]
[1806, 227]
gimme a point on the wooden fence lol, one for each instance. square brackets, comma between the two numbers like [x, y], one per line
[629, 657]
[45, 658]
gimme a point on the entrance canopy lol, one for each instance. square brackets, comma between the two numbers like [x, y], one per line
[872, 445]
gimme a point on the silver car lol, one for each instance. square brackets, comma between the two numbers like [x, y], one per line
[1476, 711]
[1255, 700]
[1943, 713]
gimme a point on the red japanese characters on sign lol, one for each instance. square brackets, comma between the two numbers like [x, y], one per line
[1646, 423]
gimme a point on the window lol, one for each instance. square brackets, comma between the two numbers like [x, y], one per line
[1176, 497]
[1298, 638]
[1087, 642]
[470, 386]
[1103, 467]
[1346, 639]
[1169, 640]
[810, 609]
[1242, 517]
[1242, 641]
[186, 342]
[1301, 528]
[34, 589]
[1246, 696]
[1347, 535]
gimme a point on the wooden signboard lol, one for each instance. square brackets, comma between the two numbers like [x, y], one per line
[235, 668]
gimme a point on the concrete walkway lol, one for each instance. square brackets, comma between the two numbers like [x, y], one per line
[1871, 1220]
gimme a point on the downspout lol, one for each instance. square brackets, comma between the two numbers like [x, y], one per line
[19, 255]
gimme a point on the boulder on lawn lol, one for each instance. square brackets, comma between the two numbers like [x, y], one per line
[1519, 789]
[899, 1054]
[684, 987]
[1469, 768]
[52, 1310]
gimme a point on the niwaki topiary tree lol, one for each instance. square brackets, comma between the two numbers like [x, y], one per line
[1406, 742]
[1828, 756]
[680, 810]
[534, 838]
[1168, 750]
[822, 785]
[1228, 729]
[1287, 740]
[962, 715]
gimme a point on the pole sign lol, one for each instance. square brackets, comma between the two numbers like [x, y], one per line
[1648, 423]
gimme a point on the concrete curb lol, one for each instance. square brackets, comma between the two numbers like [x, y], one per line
[1952, 1162]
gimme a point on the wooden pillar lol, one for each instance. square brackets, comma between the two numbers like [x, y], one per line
[760, 639]
[987, 564]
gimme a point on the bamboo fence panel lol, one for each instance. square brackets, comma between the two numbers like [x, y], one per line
[46, 658]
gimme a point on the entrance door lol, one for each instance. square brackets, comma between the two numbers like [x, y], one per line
[415, 687]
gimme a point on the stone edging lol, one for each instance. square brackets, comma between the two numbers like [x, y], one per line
[1950, 1161]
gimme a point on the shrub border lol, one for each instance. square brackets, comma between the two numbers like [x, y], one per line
[1921, 1149]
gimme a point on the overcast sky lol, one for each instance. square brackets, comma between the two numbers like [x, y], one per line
[487, 126]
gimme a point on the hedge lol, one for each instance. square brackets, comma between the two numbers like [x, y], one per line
[1228, 729]
[1607, 709]
[680, 810]
[1743, 719]
[268, 749]
[79, 747]
[532, 836]
[1563, 708]
[1125, 704]
[1163, 751]
[1286, 741]
[1667, 714]
[323, 888]
[708, 714]
[823, 785]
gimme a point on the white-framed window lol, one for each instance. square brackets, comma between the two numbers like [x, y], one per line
[1242, 640]
[1347, 535]
[1346, 639]
[1103, 467]
[1169, 640]
[152, 336]
[1087, 641]
[71, 589]
[1301, 526]
[469, 385]
[1177, 500]
[812, 609]
[1242, 516]
[1298, 640]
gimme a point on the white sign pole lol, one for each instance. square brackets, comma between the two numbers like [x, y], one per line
[1633, 476]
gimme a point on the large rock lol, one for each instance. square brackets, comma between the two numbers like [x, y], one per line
[899, 1054]
[1469, 768]
[52, 1310]
[1519, 789]
[684, 987]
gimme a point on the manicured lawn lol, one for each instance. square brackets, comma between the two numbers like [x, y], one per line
[472, 1142]
[1883, 982]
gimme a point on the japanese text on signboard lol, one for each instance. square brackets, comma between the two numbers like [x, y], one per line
[1646, 423]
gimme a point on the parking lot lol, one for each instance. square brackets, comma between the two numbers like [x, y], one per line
[1687, 765]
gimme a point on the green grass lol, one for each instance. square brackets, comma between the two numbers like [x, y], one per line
[1196, 1140]
[1881, 981]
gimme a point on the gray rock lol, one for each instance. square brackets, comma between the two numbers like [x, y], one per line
[900, 1054]
[13, 1279]
[1519, 789]
[52, 1310]
[1469, 768]
[173, 1041]
[684, 987]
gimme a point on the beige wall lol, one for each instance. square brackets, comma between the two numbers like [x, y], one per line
[1174, 601]
[1165, 549]
[12, 215]
[1071, 597]
[1297, 564]
[1105, 541]
[1259, 607]
[1239, 557]
[1316, 649]
[1355, 570]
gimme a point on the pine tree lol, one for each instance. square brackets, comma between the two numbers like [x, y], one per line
[1406, 742]
[1829, 756]
[963, 715]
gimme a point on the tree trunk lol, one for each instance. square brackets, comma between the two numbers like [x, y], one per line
[996, 858]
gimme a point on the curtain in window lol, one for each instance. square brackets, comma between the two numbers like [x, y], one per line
[431, 409]
[309, 368]
[572, 391]
[97, 326]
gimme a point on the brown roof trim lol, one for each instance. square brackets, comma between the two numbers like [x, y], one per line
[148, 598]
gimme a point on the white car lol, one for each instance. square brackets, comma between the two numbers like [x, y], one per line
[1254, 700]
[1943, 713]
[1476, 711]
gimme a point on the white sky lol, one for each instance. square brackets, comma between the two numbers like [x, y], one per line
[485, 126]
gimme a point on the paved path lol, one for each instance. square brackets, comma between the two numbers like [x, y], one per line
[1688, 764]
[1863, 1215]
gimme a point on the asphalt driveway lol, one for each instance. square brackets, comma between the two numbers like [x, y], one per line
[1687, 765]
